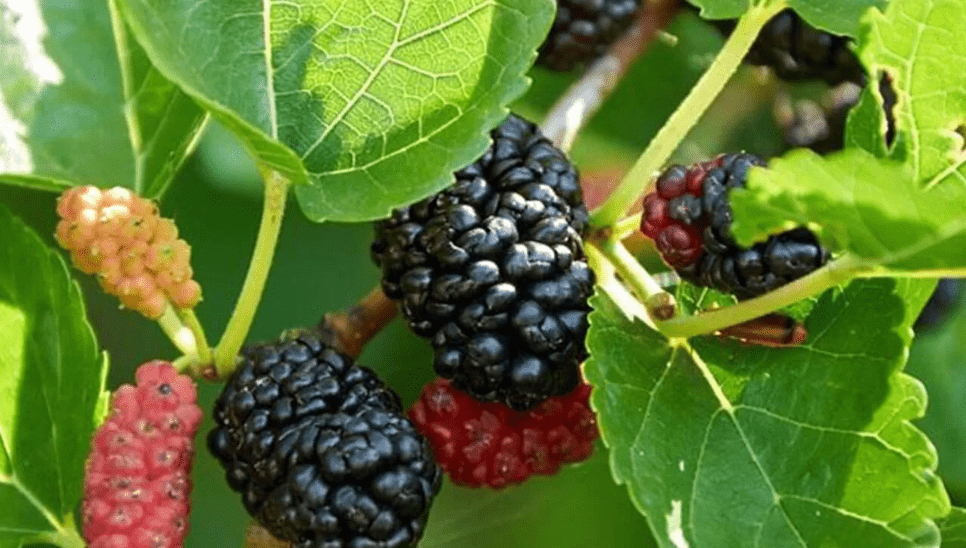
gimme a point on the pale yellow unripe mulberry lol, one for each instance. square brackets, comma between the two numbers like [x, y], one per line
[135, 254]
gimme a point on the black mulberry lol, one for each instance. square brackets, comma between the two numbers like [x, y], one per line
[689, 218]
[583, 30]
[492, 271]
[321, 449]
[797, 51]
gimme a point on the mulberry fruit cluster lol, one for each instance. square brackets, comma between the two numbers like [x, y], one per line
[492, 271]
[488, 444]
[321, 450]
[583, 30]
[689, 218]
[797, 51]
[136, 484]
[135, 253]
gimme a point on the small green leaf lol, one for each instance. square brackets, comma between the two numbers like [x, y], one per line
[938, 359]
[51, 391]
[722, 444]
[839, 17]
[370, 104]
[73, 114]
[862, 204]
[953, 529]
[913, 42]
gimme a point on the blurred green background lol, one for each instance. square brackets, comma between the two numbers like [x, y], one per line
[321, 268]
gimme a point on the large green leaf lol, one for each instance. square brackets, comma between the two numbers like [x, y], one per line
[723, 445]
[913, 42]
[938, 358]
[82, 104]
[863, 204]
[51, 391]
[370, 104]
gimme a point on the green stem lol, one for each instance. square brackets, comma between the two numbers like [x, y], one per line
[201, 340]
[830, 275]
[686, 116]
[659, 303]
[627, 226]
[609, 284]
[273, 210]
[181, 336]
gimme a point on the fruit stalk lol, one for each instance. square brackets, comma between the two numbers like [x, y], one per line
[686, 116]
[273, 210]
[830, 275]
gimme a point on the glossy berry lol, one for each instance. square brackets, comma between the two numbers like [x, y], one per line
[137, 479]
[488, 444]
[320, 449]
[583, 30]
[689, 218]
[492, 271]
[135, 253]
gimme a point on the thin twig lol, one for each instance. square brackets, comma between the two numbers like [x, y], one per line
[586, 95]
[350, 330]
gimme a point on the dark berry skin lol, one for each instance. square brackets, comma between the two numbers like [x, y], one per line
[492, 271]
[583, 30]
[797, 51]
[321, 450]
[689, 217]
[948, 294]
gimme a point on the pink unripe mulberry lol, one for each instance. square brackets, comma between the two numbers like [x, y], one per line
[136, 484]
[120, 237]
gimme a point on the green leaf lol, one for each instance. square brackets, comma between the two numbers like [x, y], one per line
[371, 104]
[839, 17]
[913, 42]
[51, 391]
[938, 359]
[722, 444]
[953, 529]
[863, 205]
[73, 114]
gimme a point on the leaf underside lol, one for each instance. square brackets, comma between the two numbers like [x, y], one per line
[369, 105]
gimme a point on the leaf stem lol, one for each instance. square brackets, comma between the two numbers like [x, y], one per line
[180, 336]
[584, 98]
[659, 303]
[201, 340]
[273, 210]
[686, 116]
[830, 275]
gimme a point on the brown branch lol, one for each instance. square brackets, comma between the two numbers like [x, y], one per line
[586, 95]
[350, 330]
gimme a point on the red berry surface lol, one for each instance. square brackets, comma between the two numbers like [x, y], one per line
[136, 484]
[489, 444]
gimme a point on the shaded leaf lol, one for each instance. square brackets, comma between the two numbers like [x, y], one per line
[839, 17]
[953, 529]
[722, 444]
[938, 359]
[73, 114]
[370, 104]
[51, 390]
